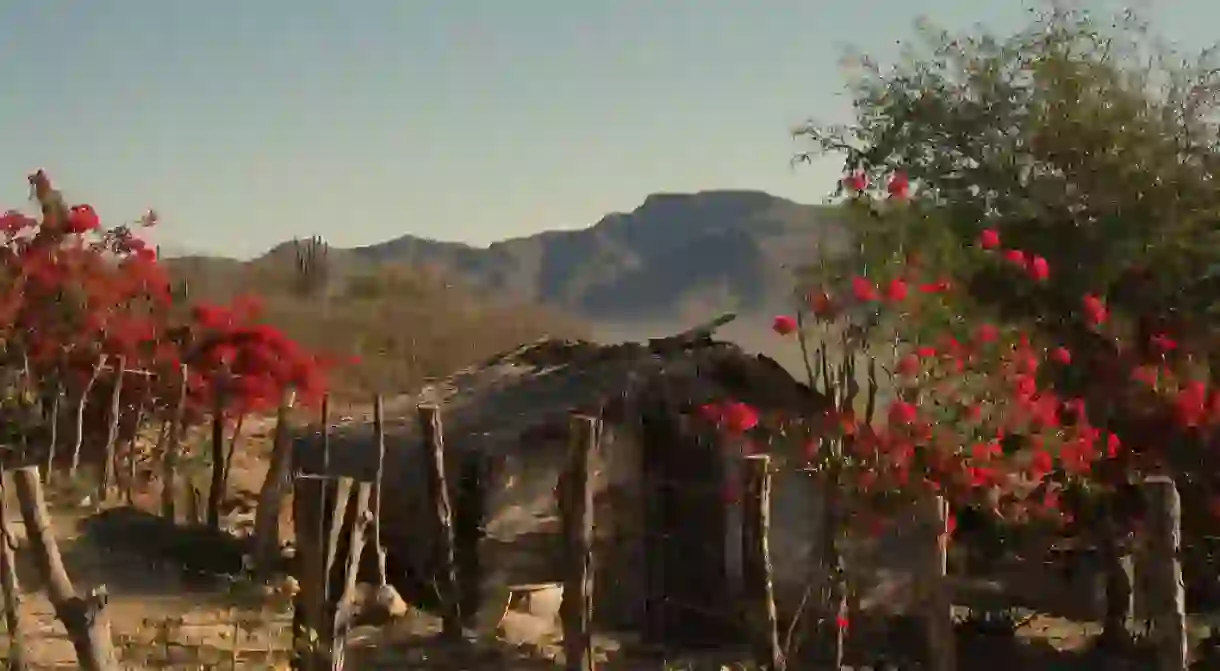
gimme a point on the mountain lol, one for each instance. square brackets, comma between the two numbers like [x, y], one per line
[675, 257]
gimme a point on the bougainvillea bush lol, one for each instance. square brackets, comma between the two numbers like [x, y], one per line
[77, 300]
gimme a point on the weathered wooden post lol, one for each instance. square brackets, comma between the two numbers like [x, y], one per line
[275, 486]
[445, 573]
[378, 547]
[169, 459]
[1167, 595]
[320, 616]
[576, 516]
[105, 486]
[220, 465]
[84, 618]
[12, 592]
[756, 575]
[359, 515]
[938, 606]
[469, 509]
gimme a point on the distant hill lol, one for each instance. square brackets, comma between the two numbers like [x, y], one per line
[676, 256]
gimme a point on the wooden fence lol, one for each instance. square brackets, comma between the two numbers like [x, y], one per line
[336, 517]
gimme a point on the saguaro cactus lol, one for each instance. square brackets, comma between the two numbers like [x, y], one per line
[312, 265]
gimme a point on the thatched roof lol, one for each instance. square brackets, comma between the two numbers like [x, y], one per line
[494, 406]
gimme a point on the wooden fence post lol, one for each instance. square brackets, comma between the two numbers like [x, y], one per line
[83, 618]
[1167, 597]
[105, 486]
[938, 605]
[12, 592]
[757, 581]
[169, 459]
[468, 518]
[275, 486]
[576, 515]
[445, 573]
[320, 506]
[360, 516]
[378, 546]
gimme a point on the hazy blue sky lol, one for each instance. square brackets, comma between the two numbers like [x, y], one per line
[245, 123]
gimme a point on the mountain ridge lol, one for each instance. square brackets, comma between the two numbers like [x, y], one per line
[676, 255]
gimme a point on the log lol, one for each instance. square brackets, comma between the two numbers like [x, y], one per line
[757, 581]
[84, 618]
[11, 589]
[1167, 595]
[445, 574]
[576, 518]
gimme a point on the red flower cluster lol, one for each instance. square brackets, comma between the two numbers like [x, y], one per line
[72, 291]
[980, 417]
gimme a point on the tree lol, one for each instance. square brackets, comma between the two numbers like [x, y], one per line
[1092, 153]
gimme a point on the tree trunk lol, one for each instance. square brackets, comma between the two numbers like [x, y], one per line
[271, 496]
[84, 618]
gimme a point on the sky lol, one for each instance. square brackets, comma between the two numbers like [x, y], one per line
[248, 123]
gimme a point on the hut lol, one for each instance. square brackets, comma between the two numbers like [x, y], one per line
[666, 537]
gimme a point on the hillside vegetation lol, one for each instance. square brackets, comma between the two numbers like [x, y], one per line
[400, 325]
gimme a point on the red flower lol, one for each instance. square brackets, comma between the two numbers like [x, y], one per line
[896, 291]
[784, 325]
[863, 289]
[1095, 310]
[1038, 269]
[989, 239]
[908, 365]
[1163, 344]
[987, 333]
[899, 187]
[1015, 257]
[739, 417]
[855, 182]
[938, 287]
[82, 219]
[1061, 355]
[902, 413]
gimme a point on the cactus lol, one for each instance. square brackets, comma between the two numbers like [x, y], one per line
[312, 265]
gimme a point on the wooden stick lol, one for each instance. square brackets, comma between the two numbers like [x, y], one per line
[105, 487]
[378, 547]
[12, 591]
[80, 415]
[445, 574]
[169, 459]
[576, 514]
[1167, 594]
[756, 568]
